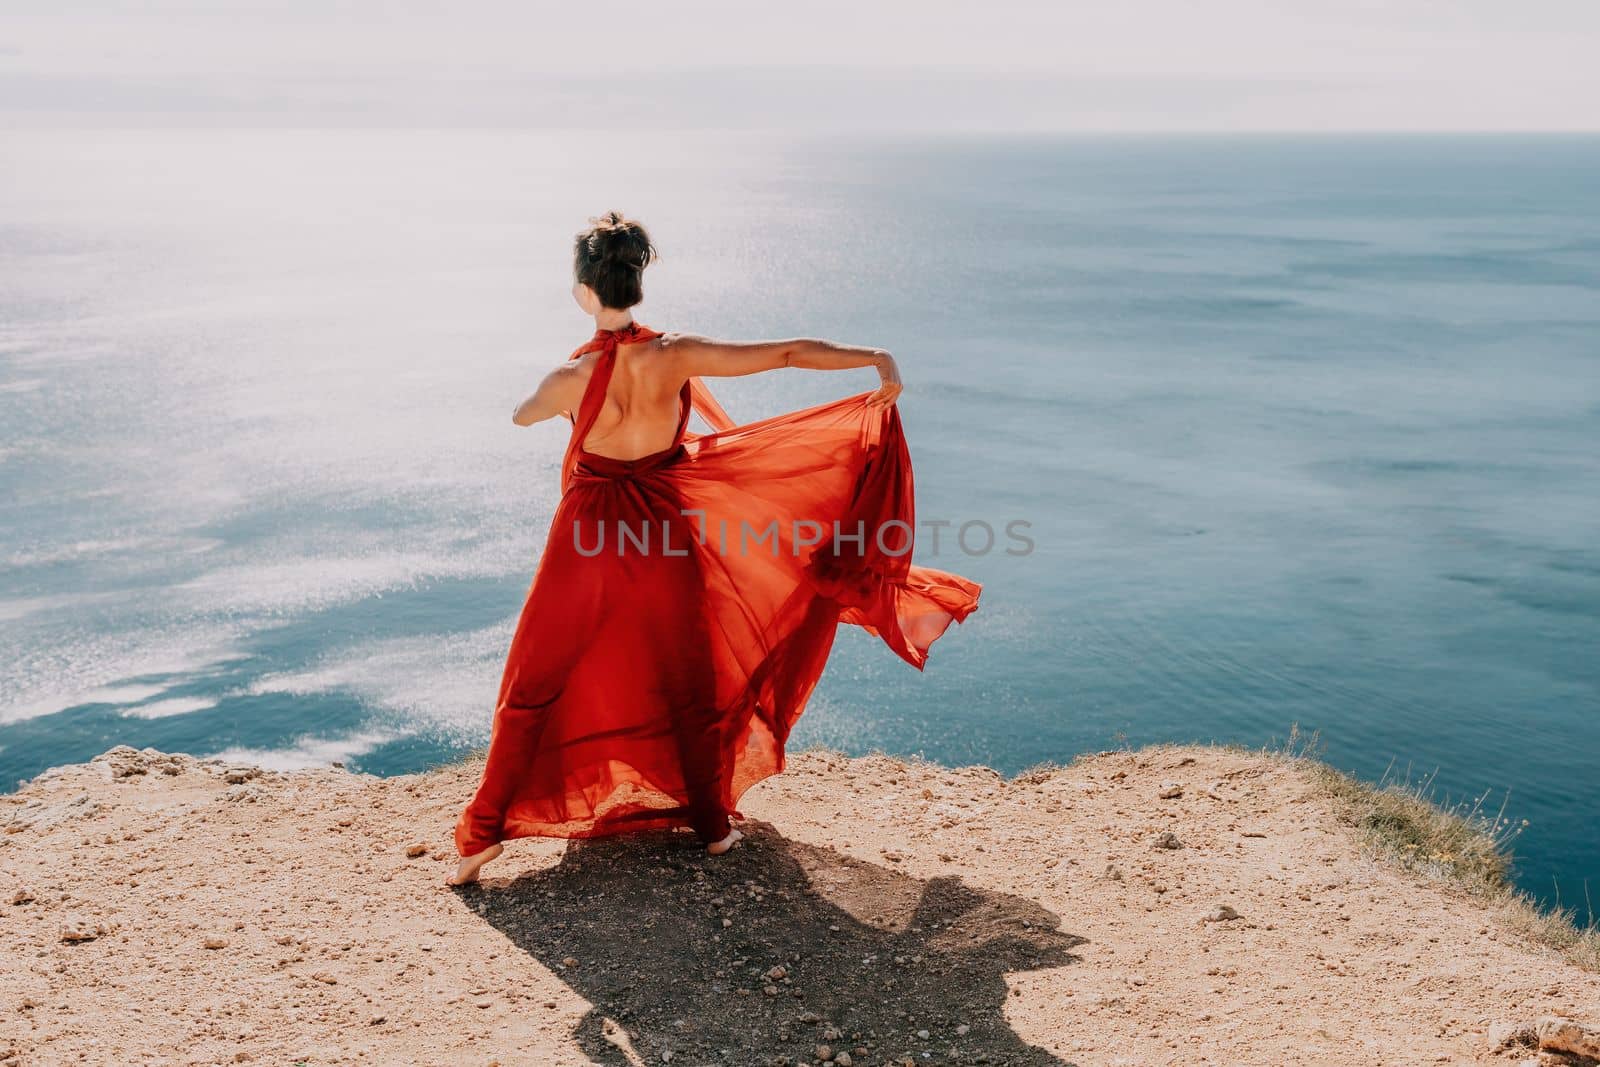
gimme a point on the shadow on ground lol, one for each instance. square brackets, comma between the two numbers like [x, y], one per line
[762, 955]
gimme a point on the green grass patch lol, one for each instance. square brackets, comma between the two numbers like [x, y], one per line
[1465, 843]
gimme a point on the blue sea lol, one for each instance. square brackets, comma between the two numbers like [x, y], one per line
[1304, 430]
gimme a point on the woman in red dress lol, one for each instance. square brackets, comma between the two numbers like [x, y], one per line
[692, 584]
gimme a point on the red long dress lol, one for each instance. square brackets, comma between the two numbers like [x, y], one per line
[685, 606]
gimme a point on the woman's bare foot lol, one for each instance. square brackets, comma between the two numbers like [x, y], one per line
[467, 869]
[717, 848]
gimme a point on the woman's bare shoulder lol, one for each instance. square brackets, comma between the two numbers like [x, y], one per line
[573, 373]
[581, 367]
[671, 339]
[675, 348]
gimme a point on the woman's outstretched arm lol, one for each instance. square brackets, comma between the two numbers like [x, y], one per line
[702, 357]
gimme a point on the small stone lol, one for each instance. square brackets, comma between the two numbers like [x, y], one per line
[922, 1034]
[416, 850]
[75, 931]
[770, 990]
[963, 1030]
[569, 962]
[23, 896]
[1168, 839]
[124, 761]
[824, 1053]
[1221, 914]
[1113, 872]
[1170, 791]
[1564, 1035]
[325, 978]
[1504, 1035]
[214, 941]
[842, 1059]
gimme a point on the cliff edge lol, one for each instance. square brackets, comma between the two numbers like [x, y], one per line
[1169, 905]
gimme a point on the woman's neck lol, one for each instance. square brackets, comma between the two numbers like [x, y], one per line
[612, 318]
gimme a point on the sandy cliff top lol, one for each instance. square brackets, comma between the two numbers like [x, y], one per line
[157, 909]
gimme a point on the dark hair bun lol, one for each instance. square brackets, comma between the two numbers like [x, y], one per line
[610, 258]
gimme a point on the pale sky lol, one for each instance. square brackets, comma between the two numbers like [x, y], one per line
[1135, 65]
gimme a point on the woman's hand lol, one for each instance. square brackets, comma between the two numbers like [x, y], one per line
[892, 386]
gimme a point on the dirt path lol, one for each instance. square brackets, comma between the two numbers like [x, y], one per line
[156, 909]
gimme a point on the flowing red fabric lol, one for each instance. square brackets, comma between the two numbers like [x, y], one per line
[685, 606]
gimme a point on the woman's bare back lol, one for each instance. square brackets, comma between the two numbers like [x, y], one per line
[642, 406]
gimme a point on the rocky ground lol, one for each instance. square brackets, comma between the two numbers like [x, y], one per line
[1164, 906]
